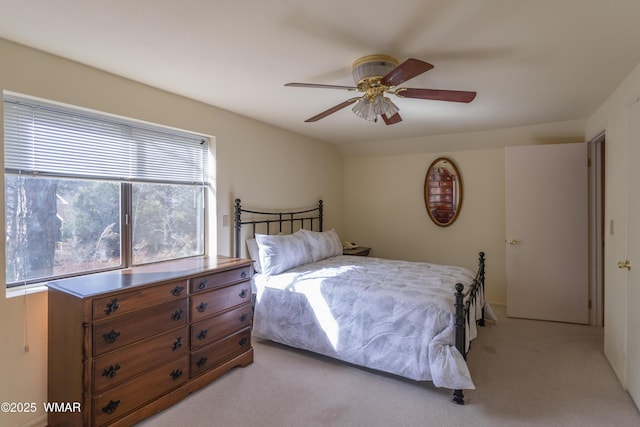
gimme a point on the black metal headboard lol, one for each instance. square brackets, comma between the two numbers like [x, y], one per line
[276, 218]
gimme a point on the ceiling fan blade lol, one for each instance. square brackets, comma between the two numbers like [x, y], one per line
[436, 94]
[321, 86]
[392, 120]
[407, 70]
[332, 110]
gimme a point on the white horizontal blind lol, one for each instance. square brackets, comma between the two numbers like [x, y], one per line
[52, 140]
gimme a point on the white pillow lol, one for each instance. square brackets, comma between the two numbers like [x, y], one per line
[254, 254]
[279, 253]
[323, 244]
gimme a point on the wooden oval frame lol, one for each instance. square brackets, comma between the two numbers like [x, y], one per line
[434, 212]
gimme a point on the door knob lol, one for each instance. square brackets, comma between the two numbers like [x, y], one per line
[513, 242]
[624, 264]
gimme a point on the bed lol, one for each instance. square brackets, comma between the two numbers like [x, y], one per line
[411, 319]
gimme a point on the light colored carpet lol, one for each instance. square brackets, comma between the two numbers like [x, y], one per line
[527, 373]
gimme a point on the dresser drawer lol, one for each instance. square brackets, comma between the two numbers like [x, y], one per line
[209, 303]
[112, 334]
[120, 365]
[135, 300]
[113, 404]
[220, 351]
[199, 284]
[214, 328]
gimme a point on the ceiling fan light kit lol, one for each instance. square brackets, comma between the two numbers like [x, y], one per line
[370, 110]
[376, 75]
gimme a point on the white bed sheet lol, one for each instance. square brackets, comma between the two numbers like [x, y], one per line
[388, 315]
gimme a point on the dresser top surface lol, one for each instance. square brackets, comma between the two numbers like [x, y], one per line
[130, 278]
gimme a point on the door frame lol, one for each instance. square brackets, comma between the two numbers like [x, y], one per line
[596, 229]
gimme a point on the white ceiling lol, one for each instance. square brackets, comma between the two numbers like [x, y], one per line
[531, 61]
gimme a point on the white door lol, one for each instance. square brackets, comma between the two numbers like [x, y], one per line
[547, 232]
[633, 255]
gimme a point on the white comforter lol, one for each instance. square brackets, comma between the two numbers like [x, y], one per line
[389, 315]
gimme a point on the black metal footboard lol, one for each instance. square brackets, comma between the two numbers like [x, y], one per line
[463, 314]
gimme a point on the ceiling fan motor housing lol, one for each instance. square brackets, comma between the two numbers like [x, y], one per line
[373, 67]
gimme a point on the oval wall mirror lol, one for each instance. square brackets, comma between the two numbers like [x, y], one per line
[443, 192]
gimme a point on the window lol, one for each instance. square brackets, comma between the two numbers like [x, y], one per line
[86, 192]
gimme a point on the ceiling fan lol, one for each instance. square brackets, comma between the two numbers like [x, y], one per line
[377, 75]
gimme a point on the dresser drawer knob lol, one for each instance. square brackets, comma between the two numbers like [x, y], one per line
[177, 315]
[111, 336]
[243, 341]
[243, 294]
[177, 290]
[200, 363]
[111, 371]
[243, 317]
[243, 274]
[203, 334]
[111, 407]
[111, 306]
[177, 344]
[175, 374]
[202, 284]
[202, 307]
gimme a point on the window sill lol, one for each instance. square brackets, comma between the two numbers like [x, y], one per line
[20, 291]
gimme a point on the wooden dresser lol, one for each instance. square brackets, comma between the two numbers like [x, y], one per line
[129, 343]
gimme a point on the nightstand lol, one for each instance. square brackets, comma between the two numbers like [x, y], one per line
[357, 251]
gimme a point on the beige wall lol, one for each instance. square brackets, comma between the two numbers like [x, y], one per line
[384, 209]
[261, 164]
[612, 117]
[384, 201]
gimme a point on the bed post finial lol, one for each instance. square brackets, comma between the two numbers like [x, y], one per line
[320, 212]
[237, 227]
